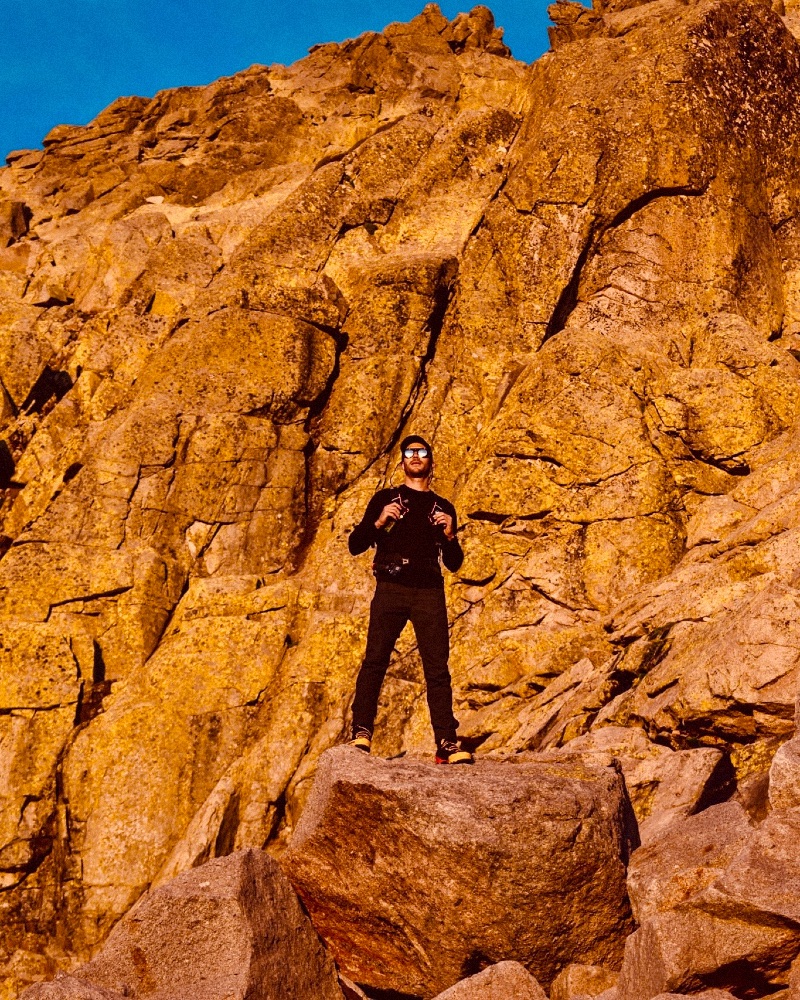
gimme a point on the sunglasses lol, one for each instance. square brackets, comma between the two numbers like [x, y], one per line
[419, 452]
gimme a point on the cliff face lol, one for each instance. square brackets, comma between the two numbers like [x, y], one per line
[221, 309]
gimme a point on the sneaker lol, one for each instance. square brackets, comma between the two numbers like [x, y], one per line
[362, 739]
[450, 752]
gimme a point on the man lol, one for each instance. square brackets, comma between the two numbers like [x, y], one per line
[411, 527]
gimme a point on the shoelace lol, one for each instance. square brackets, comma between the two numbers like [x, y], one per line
[362, 731]
[449, 746]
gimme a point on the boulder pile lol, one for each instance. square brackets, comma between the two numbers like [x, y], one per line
[484, 883]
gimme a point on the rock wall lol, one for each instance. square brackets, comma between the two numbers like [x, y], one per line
[221, 308]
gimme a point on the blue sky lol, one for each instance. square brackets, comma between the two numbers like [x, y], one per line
[63, 61]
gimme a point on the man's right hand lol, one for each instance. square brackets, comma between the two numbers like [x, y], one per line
[391, 512]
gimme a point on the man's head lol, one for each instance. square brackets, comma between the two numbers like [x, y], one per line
[417, 456]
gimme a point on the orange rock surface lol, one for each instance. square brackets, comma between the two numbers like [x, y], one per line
[220, 310]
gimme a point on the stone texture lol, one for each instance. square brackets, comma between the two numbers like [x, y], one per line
[524, 860]
[664, 785]
[582, 981]
[220, 308]
[686, 858]
[13, 223]
[503, 981]
[705, 994]
[571, 22]
[65, 987]
[350, 989]
[716, 901]
[784, 776]
[231, 928]
[794, 980]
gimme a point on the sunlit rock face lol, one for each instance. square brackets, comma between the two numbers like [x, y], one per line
[221, 308]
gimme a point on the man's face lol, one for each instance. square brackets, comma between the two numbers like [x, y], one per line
[416, 461]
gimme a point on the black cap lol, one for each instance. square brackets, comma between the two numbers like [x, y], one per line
[415, 439]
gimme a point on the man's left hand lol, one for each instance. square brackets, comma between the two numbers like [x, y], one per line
[446, 522]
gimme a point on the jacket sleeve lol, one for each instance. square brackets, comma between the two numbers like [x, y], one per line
[452, 553]
[365, 533]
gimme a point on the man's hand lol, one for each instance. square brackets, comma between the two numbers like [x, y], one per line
[446, 522]
[391, 512]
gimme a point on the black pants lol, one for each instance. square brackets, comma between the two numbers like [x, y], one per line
[393, 605]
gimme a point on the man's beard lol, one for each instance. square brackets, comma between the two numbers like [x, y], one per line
[422, 473]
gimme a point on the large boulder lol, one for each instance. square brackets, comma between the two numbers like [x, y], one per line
[415, 874]
[718, 904]
[686, 859]
[230, 929]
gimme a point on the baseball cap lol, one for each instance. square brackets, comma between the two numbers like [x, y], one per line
[415, 439]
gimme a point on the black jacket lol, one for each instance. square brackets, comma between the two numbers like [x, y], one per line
[412, 538]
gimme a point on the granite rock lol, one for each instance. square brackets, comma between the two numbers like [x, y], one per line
[231, 928]
[784, 776]
[717, 906]
[503, 981]
[65, 987]
[582, 981]
[664, 785]
[524, 860]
